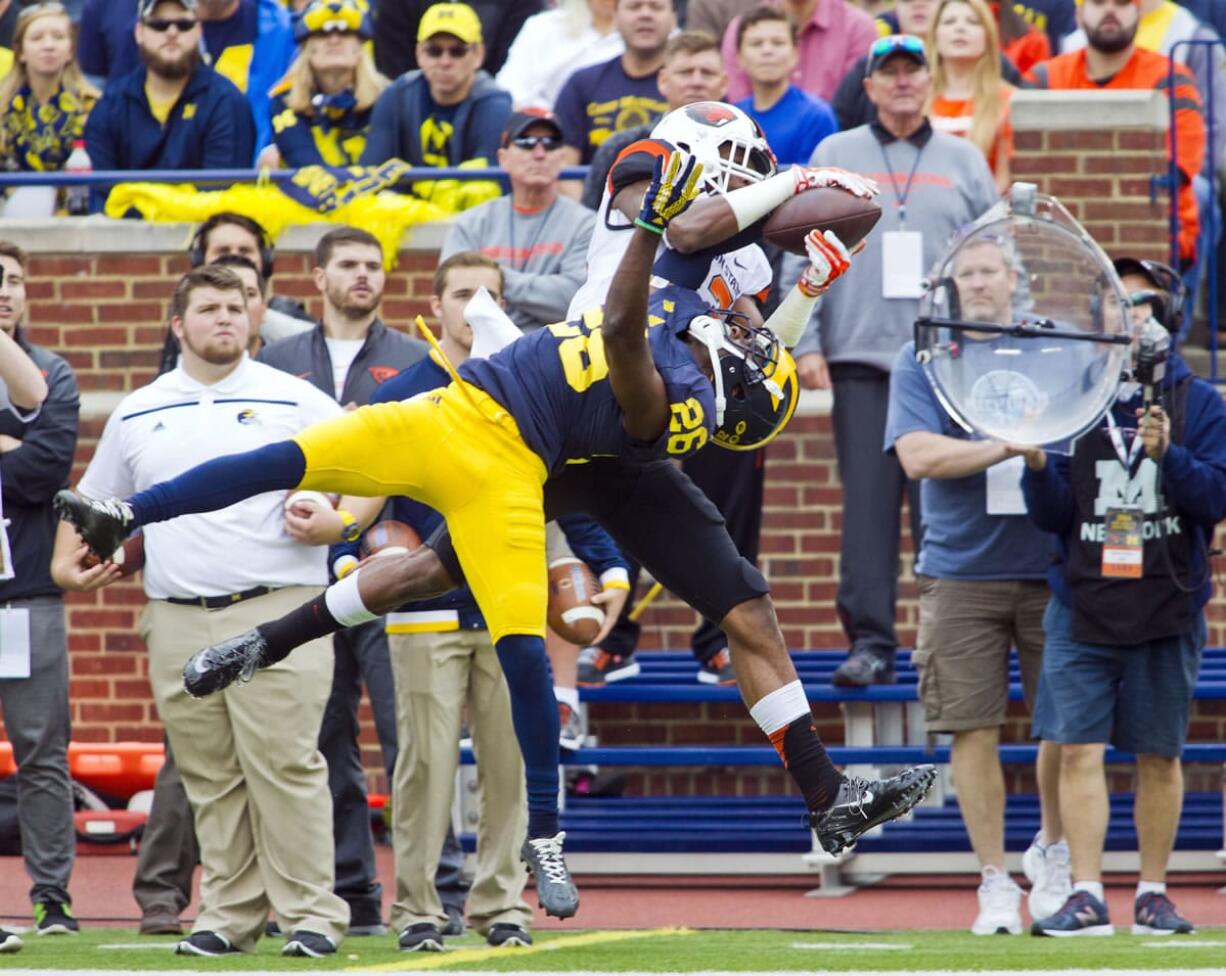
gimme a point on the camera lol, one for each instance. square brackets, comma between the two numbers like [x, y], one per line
[1149, 355]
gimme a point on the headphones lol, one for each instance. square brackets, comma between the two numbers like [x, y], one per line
[1168, 281]
[195, 248]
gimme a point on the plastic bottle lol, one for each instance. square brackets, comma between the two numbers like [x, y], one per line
[77, 197]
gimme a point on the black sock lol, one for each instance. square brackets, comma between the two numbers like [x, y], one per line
[809, 763]
[305, 623]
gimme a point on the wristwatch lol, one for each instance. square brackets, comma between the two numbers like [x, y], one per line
[352, 530]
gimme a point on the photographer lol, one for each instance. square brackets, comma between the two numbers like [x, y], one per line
[1134, 508]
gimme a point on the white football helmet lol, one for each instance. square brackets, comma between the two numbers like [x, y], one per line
[704, 129]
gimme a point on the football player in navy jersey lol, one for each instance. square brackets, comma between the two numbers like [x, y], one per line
[597, 400]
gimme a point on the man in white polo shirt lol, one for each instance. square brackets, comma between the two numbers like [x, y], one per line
[248, 759]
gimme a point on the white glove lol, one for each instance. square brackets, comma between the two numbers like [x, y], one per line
[809, 177]
[828, 259]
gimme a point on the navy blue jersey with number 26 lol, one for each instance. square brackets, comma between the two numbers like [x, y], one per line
[555, 383]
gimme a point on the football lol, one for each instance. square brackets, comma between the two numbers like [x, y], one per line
[572, 615]
[130, 557]
[390, 538]
[824, 208]
[300, 500]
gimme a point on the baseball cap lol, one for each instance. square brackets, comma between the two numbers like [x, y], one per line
[147, 6]
[457, 19]
[519, 122]
[885, 48]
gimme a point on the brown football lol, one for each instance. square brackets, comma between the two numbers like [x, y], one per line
[389, 538]
[130, 557]
[824, 208]
[572, 615]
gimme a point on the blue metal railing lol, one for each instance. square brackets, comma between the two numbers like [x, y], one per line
[209, 176]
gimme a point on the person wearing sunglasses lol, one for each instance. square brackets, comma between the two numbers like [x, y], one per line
[321, 108]
[447, 113]
[175, 112]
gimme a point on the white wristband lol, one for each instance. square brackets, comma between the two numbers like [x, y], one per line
[752, 203]
[790, 318]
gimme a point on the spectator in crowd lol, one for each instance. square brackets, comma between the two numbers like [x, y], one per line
[693, 71]
[981, 572]
[255, 290]
[173, 113]
[347, 355]
[9, 9]
[321, 109]
[250, 42]
[538, 237]
[793, 121]
[44, 102]
[851, 103]
[38, 435]
[933, 184]
[1123, 650]
[398, 20]
[1112, 60]
[620, 93]
[714, 16]
[832, 35]
[444, 663]
[969, 97]
[248, 759]
[1055, 18]
[1023, 44]
[450, 111]
[556, 43]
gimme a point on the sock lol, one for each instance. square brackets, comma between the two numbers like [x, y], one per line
[1095, 888]
[302, 624]
[1040, 841]
[221, 482]
[1150, 887]
[568, 696]
[534, 713]
[990, 872]
[785, 717]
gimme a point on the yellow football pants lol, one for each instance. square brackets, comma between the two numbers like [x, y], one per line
[456, 450]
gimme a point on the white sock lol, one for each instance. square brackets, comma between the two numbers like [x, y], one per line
[780, 708]
[568, 696]
[993, 875]
[1150, 887]
[1095, 888]
[345, 604]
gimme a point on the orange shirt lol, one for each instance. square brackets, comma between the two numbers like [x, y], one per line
[954, 116]
[1147, 70]
[1030, 49]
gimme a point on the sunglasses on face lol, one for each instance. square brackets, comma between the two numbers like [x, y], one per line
[531, 142]
[455, 51]
[163, 24]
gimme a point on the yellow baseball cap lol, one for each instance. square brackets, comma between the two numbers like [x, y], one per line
[457, 19]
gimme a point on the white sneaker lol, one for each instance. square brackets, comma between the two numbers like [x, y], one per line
[1051, 878]
[1000, 907]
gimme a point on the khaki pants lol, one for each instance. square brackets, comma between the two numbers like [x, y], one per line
[257, 783]
[435, 675]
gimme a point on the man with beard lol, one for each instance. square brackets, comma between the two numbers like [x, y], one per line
[173, 113]
[248, 761]
[1111, 60]
[347, 356]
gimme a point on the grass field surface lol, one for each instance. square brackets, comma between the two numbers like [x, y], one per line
[690, 951]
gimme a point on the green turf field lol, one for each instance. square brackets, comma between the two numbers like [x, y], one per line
[661, 950]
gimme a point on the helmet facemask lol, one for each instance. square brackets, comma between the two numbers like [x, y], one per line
[757, 350]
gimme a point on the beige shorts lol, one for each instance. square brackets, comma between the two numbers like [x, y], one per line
[966, 629]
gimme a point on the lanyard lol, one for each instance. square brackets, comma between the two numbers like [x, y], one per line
[906, 191]
[1126, 457]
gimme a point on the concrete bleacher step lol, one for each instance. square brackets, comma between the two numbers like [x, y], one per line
[772, 824]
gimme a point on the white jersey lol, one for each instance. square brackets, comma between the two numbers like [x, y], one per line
[744, 271]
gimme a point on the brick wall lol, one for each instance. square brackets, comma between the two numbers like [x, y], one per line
[98, 294]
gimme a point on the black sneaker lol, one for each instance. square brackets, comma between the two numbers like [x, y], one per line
[554, 888]
[862, 804]
[422, 937]
[366, 918]
[455, 921]
[311, 944]
[9, 942]
[220, 665]
[272, 929]
[205, 943]
[718, 670]
[865, 666]
[570, 722]
[102, 525]
[505, 934]
[598, 667]
[54, 918]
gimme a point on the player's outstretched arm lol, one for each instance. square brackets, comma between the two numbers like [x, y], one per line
[636, 383]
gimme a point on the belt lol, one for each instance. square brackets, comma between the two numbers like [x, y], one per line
[220, 602]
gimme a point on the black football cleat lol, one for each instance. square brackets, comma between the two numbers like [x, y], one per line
[554, 888]
[863, 804]
[102, 525]
[220, 665]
